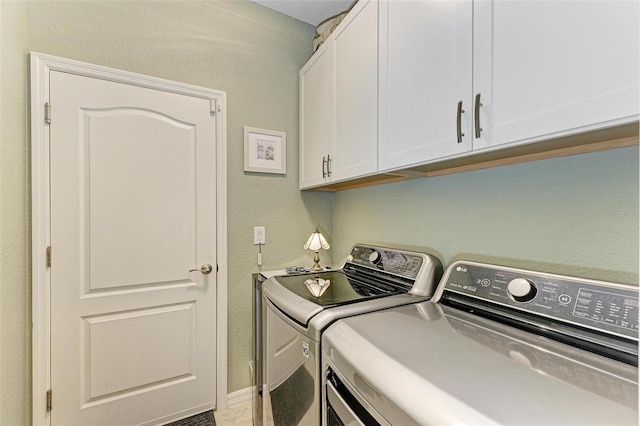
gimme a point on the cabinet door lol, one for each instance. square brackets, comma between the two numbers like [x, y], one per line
[425, 71]
[316, 117]
[553, 68]
[355, 149]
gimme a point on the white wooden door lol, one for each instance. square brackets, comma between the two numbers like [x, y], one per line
[316, 117]
[355, 49]
[425, 72]
[133, 209]
[545, 69]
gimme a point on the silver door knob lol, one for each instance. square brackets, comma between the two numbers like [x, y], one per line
[205, 269]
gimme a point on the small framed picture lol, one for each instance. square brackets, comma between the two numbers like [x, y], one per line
[265, 151]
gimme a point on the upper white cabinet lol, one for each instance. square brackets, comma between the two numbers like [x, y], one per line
[425, 81]
[544, 69]
[338, 102]
[316, 117]
[461, 75]
[404, 86]
[355, 49]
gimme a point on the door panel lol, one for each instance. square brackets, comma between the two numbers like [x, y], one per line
[117, 185]
[133, 209]
[355, 52]
[550, 68]
[316, 117]
[426, 52]
[156, 343]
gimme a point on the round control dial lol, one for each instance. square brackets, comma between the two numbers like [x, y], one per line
[521, 290]
[375, 258]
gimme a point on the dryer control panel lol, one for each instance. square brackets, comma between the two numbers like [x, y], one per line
[398, 262]
[608, 307]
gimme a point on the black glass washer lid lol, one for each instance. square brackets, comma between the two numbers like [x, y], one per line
[342, 289]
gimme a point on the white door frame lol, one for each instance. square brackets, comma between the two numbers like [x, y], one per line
[41, 65]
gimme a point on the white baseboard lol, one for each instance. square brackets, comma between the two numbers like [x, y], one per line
[239, 397]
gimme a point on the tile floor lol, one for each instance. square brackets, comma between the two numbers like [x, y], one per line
[239, 415]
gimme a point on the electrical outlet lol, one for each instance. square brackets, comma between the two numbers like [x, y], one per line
[259, 235]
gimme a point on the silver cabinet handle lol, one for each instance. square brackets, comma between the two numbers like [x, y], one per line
[477, 116]
[459, 122]
[324, 161]
[329, 165]
[205, 269]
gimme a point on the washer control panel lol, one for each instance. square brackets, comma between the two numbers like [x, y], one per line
[608, 307]
[392, 261]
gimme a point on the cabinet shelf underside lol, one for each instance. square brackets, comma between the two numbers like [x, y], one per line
[617, 137]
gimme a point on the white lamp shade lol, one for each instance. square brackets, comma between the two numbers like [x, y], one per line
[316, 241]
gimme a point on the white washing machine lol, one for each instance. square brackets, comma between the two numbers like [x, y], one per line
[495, 346]
[298, 308]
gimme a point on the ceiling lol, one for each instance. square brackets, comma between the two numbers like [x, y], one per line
[310, 11]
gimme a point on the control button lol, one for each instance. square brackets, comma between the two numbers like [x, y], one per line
[485, 282]
[375, 258]
[564, 299]
[521, 290]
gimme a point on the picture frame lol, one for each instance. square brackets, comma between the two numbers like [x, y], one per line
[265, 151]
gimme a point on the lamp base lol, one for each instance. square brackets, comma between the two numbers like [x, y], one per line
[316, 259]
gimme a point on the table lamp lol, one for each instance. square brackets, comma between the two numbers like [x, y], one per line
[316, 242]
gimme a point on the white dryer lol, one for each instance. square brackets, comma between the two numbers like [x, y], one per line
[495, 346]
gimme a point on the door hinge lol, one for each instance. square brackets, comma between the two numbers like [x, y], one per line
[212, 106]
[48, 257]
[49, 400]
[47, 113]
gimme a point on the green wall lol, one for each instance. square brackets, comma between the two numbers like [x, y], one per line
[250, 52]
[574, 215]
